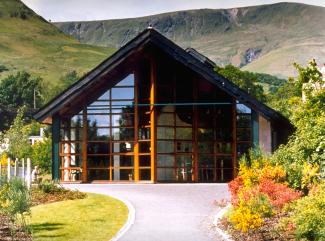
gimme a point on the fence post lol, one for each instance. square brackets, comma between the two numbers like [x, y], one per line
[23, 169]
[8, 169]
[16, 167]
[28, 177]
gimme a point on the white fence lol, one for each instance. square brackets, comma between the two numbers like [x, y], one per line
[20, 169]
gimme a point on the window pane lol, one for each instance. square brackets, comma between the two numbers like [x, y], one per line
[183, 146]
[127, 81]
[165, 133]
[166, 119]
[165, 146]
[124, 119]
[123, 161]
[76, 121]
[145, 174]
[123, 93]
[206, 161]
[98, 134]
[144, 147]
[225, 148]
[97, 175]
[98, 120]
[165, 160]
[123, 133]
[184, 133]
[243, 121]
[123, 174]
[241, 108]
[145, 161]
[205, 134]
[166, 174]
[104, 96]
[206, 147]
[97, 161]
[98, 148]
[123, 147]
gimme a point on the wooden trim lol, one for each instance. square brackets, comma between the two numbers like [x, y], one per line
[84, 145]
[234, 134]
[153, 154]
[195, 133]
[136, 128]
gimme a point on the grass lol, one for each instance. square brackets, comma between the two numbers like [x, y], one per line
[94, 218]
[38, 47]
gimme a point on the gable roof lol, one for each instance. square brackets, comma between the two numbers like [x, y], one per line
[195, 62]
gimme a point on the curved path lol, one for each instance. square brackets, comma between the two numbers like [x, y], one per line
[166, 212]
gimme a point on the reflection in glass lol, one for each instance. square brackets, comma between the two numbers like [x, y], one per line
[165, 133]
[184, 133]
[97, 120]
[98, 134]
[165, 160]
[123, 93]
[98, 148]
[166, 174]
[97, 161]
[123, 147]
[165, 146]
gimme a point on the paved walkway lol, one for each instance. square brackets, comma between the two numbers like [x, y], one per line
[166, 212]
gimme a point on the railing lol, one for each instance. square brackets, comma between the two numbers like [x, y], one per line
[19, 169]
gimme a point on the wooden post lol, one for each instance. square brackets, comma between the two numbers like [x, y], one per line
[84, 145]
[136, 131]
[28, 174]
[234, 136]
[153, 119]
[23, 168]
[195, 133]
[16, 167]
[8, 169]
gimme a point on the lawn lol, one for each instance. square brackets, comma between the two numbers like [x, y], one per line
[96, 217]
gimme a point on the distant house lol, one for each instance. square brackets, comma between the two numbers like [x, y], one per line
[156, 112]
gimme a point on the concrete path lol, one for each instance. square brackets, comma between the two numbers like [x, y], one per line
[166, 212]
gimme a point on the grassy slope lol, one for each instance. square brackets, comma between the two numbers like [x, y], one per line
[38, 47]
[285, 32]
[95, 218]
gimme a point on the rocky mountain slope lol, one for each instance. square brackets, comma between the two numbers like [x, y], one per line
[265, 38]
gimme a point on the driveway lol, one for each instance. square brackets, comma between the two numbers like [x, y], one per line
[166, 212]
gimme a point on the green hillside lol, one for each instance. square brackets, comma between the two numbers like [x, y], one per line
[264, 38]
[28, 42]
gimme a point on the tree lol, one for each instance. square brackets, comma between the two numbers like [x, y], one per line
[244, 79]
[19, 146]
[41, 154]
[19, 90]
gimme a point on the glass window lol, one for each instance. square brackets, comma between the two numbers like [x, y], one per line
[166, 174]
[243, 109]
[97, 161]
[97, 175]
[205, 134]
[184, 133]
[123, 134]
[123, 147]
[97, 120]
[145, 174]
[145, 161]
[166, 119]
[165, 133]
[123, 161]
[98, 148]
[144, 147]
[182, 146]
[206, 161]
[205, 147]
[123, 93]
[123, 174]
[124, 119]
[127, 81]
[105, 96]
[165, 146]
[165, 160]
[76, 121]
[98, 134]
[224, 147]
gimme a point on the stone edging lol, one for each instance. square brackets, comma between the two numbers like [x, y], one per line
[129, 222]
[216, 220]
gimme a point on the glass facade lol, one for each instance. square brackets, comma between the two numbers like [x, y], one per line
[199, 131]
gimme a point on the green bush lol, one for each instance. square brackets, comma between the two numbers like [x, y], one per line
[48, 186]
[15, 200]
[308, 216]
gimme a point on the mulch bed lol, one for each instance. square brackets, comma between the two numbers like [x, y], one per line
[6, 235]
[267, 232]
[39, 197]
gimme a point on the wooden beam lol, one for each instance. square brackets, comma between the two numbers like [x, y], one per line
[136, 127]
[195, 134]
[84, 145]
[234, 141]
[153, 154]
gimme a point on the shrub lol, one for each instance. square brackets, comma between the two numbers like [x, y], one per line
[48, 186]
[308, 216]
[252, 207]
[278, 194]
[234, 187]
[15, 199]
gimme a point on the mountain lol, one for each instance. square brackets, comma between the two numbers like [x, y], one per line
[267, 38]
[28, 42]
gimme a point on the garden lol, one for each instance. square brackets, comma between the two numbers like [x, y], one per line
[47, 211]
[282, 196]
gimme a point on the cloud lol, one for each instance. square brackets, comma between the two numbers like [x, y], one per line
[69, 10]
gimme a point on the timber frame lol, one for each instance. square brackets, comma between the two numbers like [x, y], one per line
[157, 130]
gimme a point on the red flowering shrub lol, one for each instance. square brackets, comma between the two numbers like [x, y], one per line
[234, 187]
[279, 194]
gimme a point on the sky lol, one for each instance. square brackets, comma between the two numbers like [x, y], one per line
[85, 10]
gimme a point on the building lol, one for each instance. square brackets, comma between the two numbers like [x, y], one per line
[156, 112]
